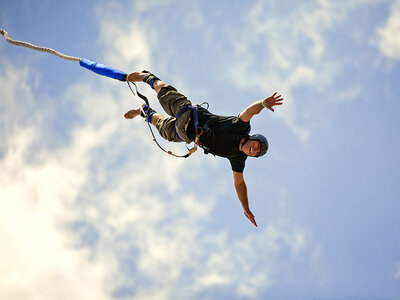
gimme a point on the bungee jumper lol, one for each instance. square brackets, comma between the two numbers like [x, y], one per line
[224, 136]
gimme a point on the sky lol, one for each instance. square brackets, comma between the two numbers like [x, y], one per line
[90, 208]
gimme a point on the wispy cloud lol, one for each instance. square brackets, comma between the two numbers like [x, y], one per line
[387, 37]
[15, 87]
[126, 42]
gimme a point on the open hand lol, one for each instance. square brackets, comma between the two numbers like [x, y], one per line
[250, 216]
[272, 101]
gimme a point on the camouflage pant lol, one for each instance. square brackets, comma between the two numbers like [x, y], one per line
[172, 102]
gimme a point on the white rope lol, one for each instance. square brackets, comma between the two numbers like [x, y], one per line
[37, 48]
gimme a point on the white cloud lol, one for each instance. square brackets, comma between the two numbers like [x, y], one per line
[387, 37]
[15, 89]
[33, 195]
[126, 42]
[249, 264]
[350, 94]
[145, 5]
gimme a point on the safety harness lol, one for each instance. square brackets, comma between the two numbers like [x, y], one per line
[194, 108]
[199, 130]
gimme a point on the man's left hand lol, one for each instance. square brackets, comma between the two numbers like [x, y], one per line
[272, 101]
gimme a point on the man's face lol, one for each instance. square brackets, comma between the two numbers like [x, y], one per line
[251, 147]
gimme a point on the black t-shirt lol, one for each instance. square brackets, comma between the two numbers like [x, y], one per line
[223, 137]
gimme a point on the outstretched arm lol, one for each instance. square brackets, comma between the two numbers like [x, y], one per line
[241, 190]
[257, 106]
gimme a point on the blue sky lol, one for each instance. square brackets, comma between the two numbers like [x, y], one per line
[90, 208]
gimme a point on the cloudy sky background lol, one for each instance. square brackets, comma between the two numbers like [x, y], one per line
[90, 208]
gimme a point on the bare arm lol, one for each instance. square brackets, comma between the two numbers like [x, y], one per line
[257, 106]
[241, 191]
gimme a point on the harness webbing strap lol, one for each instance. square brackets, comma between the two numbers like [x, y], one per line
[194, 109]
[195, 117]
[184, 109]
[195, 114]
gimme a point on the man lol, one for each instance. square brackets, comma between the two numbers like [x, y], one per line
[222, 136]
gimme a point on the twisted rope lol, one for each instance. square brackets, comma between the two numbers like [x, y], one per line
[37, 48]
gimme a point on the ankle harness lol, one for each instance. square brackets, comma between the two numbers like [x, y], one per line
[150, 78]
[146, 112]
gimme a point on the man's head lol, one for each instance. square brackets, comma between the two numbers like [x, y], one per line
[256, 145]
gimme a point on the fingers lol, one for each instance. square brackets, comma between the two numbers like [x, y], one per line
[274, 100]
[250, 216]
[278, 98]
[252, 220]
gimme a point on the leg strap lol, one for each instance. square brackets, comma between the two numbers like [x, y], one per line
[148, 112]
[150, 78]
